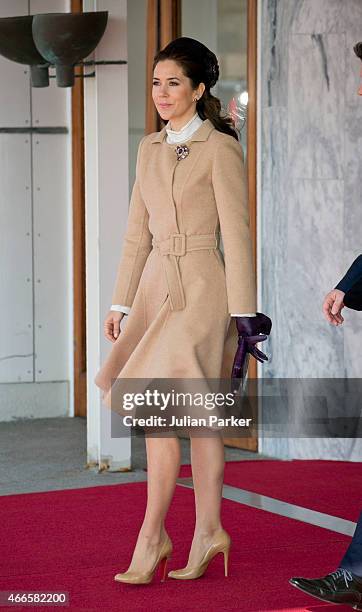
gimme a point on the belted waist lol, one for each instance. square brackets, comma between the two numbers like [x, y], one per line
[177, 245]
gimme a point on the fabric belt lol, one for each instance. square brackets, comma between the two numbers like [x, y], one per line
[177, 245]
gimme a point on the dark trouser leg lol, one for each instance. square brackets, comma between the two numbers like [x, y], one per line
[352, 560]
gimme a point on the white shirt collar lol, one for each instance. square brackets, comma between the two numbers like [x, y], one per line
[186, 131]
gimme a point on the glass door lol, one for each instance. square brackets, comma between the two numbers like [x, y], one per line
[222, 26]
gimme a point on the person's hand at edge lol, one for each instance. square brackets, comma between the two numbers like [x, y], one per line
[332, 306]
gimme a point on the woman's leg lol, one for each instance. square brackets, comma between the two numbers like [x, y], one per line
[163, 464]
[208, 461]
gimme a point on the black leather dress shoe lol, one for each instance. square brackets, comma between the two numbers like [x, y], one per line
[340, 587]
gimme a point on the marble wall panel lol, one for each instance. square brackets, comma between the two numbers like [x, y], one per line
[310, 203]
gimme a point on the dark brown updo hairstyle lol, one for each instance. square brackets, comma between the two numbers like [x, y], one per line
[358, 50]
[200, 65]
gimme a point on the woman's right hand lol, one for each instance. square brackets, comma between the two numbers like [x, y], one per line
[112, 325]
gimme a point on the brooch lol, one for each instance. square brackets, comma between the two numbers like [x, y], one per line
[182, 151]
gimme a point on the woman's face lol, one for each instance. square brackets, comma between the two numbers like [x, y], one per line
[172, 92]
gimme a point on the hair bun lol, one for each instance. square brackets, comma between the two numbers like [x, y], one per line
[212, 70]
[358, 50]
[212, 73]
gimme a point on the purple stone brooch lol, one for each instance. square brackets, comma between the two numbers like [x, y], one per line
[182, 151]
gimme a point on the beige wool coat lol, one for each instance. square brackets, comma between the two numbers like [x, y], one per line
[172, 273]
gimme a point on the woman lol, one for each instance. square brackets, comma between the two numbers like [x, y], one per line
[179, 292]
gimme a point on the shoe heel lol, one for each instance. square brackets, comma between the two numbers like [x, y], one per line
[226, 560]
[163, 568]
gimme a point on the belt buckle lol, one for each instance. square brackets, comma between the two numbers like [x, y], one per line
[181, 244]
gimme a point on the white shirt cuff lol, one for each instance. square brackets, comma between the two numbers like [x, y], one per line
[119, 308]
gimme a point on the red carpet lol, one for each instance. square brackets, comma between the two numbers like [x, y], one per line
[332, 487]
[76, 540]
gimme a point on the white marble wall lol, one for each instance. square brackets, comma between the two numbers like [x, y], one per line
[311, 188]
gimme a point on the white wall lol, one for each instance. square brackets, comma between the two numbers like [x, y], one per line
[107, 201]
[35, 240]
[136, 69]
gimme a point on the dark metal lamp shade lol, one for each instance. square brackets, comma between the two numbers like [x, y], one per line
[64, 39]
[17, 44]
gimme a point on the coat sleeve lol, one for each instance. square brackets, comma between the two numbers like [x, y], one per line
[136, 247]
[353, 274]
[229, 184]
[353, 297]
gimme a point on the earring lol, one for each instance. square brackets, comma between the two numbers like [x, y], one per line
[195, 99]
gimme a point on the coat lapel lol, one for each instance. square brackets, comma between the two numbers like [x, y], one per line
[184, 167]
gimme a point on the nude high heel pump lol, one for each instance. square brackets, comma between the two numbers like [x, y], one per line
[221, 542]
[163, 556]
